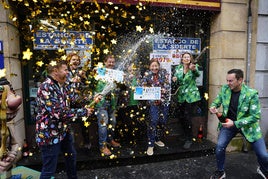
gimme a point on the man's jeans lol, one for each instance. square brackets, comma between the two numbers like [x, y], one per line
[226, 135]
[106, 125]
[50, 155]
[158, 117]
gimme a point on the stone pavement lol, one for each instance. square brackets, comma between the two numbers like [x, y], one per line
[239, 165]
[169, 162]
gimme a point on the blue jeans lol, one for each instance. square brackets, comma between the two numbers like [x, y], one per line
[50, 155]
[226, 135]
[106, 125]
[158, 117]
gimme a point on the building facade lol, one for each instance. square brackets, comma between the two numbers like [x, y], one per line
[237, 39]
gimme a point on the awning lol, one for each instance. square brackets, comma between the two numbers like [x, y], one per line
[212, 5]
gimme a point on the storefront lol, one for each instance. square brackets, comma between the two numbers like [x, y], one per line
[125, 29]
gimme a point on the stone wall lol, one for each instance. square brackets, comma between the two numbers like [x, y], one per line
[10, 36]
[228, 49]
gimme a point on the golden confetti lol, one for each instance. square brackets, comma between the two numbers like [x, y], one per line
[206, 96]
[105, 51]
[138, 28]
[147, 18]
[53, 63]
[86, 22]
[124, 15]
[2, 73]
[102, 17]
[6, 6]
[64, 57]
[151, 30]
[112, 156]
[39, 63]
[27, 54]
[86, 124]
[84, 118]
[100, 65]
[113, 41]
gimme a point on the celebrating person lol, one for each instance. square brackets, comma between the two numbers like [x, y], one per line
[106, 112]
[188, 94]
[53, 133]
[158, 109]
[241, 111]
[76, 80]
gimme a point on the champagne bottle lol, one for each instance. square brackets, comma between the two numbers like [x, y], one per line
[221, 118]
[93, 103]
[107, 88]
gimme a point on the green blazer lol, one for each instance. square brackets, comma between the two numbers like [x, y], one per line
[188, 90]
[248, 111]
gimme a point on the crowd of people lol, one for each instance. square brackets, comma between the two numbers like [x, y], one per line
[59, 103]
[61, 100]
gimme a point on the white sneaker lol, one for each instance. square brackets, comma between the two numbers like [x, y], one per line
[160, 143]
[150, 151]
[259, 171]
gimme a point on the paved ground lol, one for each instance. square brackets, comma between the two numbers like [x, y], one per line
[170, 162]
[238, 166]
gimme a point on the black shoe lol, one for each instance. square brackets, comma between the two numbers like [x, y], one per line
[262, 173]
[218, 175]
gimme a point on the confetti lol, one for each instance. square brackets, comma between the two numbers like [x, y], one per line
[27, 54]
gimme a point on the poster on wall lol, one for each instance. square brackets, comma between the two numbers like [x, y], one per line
[176, 56]
[164, 59]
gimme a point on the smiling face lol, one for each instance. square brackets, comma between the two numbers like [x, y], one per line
[234, 83]
[74, 62]
[110, 63]
[61, 73]
[186, 58]
[154, 67]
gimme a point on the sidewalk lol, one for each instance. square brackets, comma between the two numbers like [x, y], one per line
[238, 166]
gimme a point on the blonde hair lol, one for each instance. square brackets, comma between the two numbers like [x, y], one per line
[191, 56]
[70, 55]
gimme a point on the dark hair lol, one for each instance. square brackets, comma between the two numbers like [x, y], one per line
[108, 56]
[154, 60]
[238, 73]
[58, 64]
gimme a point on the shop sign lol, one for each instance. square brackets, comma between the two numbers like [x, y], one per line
[70, 40]
[192, 45]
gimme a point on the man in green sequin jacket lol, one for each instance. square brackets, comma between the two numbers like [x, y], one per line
[241, 108]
